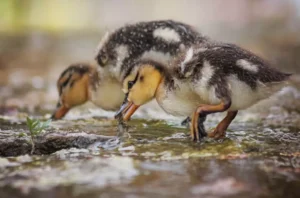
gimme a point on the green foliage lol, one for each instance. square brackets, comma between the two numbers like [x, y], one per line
[35, 128]
[22, 135]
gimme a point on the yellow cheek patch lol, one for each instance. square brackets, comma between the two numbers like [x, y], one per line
[144, 88]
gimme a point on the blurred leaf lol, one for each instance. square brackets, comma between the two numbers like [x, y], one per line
[35, 128]
[22, 134]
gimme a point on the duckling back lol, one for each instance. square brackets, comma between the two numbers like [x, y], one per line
[155, 40]
[225, 71]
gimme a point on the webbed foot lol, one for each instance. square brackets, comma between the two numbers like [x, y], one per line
[220, 130]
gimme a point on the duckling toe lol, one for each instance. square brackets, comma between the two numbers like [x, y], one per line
[217, 133]
[220, 130]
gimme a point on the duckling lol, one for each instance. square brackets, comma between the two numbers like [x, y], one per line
[204, 79]
[82, 82]
[159, 40]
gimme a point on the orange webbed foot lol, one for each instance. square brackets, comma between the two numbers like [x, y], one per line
[217, 133]
[220, 130]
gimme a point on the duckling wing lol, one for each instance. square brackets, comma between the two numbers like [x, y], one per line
[224, 71]
[226, 60]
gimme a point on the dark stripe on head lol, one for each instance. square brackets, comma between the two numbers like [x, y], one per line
[161, 69]
[158, 66]
[131, 83]
[79, 68]
[64, 84]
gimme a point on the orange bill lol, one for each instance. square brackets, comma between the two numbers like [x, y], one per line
[126, 111]
[60, 112]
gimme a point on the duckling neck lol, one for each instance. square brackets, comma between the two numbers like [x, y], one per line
[94, 80]
[160, 85]
[166, 83]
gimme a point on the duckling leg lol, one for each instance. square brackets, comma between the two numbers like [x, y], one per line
[197, 127]
[220, 130]
[192, 128]
[201, 130]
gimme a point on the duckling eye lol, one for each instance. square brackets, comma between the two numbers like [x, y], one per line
[103, 59]
[64, 84]
[130, 84]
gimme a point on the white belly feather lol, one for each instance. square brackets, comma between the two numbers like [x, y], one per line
[109, 95]
[185, 99]
[180, 101]
[242, 95]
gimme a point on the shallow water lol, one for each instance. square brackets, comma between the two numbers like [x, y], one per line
[157, 159]
[260, 156]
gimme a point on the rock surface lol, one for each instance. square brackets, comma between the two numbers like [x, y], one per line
[15, 143]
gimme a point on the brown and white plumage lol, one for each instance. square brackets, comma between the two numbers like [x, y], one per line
[81, 82]
[159, 41]
[205, 79]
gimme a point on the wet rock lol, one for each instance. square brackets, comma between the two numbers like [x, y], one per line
[14, 143]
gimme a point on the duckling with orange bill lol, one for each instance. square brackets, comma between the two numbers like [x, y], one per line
[159, 40]
[82, 82]
[204, 79]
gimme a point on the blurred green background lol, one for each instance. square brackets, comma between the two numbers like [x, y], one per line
[39, 38]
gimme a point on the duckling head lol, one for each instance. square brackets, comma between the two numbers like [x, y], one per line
[73, 88]
[140, 87]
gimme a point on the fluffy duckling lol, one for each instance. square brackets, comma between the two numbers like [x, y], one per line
[159, 41]
[82, 82]
[205, 79]
[154, 40]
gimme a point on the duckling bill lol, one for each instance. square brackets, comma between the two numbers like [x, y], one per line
[82, 82]
[205, 79]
